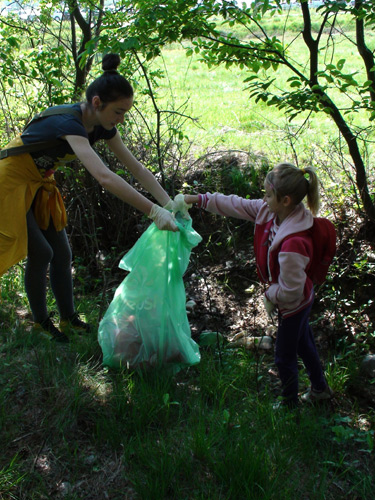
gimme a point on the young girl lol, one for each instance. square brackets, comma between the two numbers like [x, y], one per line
[283, 251]
[32, 212]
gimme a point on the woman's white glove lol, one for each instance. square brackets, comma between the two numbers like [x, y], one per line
[179, 205]
[270, 308]
[169, 205]
[162, 218]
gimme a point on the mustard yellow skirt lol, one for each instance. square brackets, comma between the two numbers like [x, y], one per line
[20, 182]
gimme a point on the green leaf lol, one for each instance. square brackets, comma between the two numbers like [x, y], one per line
[130, 43]
[166, 398]
[226, 416]
[340, 64]
[13, 42]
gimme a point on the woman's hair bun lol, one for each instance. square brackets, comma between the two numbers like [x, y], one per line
[110, 86]
[111, 62]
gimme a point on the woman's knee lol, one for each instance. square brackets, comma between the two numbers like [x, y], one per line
[63, 254]
[41, 255]
[60, 245]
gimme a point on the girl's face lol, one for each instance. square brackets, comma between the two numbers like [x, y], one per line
[113, 113]
[270, 198]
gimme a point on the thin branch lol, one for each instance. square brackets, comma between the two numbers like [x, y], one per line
[279, 60]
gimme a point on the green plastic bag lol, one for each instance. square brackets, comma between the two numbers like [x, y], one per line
[146, 323]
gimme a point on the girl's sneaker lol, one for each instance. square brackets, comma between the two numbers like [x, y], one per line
[46, 327]
[312, 395]
[75, 324]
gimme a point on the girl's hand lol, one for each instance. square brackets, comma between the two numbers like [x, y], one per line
[270, 308]
[180, 205]
[191, 198]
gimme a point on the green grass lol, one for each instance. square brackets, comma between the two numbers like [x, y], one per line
[208, 432]
[226, 114]
[227, 118]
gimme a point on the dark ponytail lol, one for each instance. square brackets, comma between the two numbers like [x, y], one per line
[110, 86]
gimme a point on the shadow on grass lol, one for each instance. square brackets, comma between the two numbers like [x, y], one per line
[71, 428]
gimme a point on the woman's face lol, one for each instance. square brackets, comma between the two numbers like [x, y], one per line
[113, 113]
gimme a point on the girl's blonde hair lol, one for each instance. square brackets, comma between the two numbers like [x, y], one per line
[287, 180]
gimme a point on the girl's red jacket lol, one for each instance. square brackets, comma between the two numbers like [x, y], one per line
[284, 264]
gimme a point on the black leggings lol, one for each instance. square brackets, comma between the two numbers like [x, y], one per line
[48, 248]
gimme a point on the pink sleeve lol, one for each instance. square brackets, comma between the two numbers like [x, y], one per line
[288, 292]
[293, 260]
[230, 206]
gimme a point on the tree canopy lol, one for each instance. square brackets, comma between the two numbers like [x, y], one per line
[319, 81]
[60, 45]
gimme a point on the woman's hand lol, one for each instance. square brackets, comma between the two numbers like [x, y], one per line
[162, 218]
[169, 205]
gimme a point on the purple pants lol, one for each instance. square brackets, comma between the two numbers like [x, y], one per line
[295, 338]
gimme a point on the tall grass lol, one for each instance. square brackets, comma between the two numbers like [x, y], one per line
[71, 428]
[228, 118]
[207, 433]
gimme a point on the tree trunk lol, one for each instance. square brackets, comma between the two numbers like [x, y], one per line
[324, 99]
[86, 36]
[351, 140]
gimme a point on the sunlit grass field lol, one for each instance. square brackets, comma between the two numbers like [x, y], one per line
[226, 117]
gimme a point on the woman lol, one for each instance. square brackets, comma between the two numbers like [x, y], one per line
[33, 215]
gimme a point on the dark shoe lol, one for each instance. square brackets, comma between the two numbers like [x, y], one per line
[47, 327]
[74, 324]
[312, 395]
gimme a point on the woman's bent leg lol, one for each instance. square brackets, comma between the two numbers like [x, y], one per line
[38, 258]
[48, 248]
[61, 270]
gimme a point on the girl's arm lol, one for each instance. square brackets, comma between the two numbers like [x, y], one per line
[141, 173]
[293, 259]
[229, 206]
[190, 199]
[116, 185]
